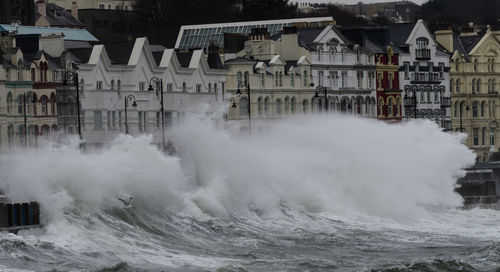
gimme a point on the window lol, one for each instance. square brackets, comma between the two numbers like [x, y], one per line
[478, 85]
[243, 106]
[293, 105]
[475, 136]
[120, 119]
[215, 88]
[370, 80]
[184, 88]
[276, 79]
[475, 66]
[142, 85]
[20, 104]
[109, 119]
[101, 6]
[474, 109]
[278, 106]
[436, 95]
[113, 119]
[305, 79]
[422, 95]
[441, 70]
[140, 113]
[168, 119]
[112, 84]
[407, 70]
[483, 106]
[455, 109]
[247, 78]
[259, 106]
[262, 80]
[390, 105]
[457, 85]
[320, 78]
[239, 77]
[44, 108]
[98, 85]
[492, 137]
[391, 79]
[304, 106]
[118, 84]
[483, 136]
[292, 79]
[266, 105]
[473, 85]
[209, 87]
[198, 88]
[97, 120]
[344, 79]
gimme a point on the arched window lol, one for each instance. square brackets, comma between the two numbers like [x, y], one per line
[44, 101]
[474, 109]
[209, 87]
[247, 78]
[398, 106]
[112, 84]
[259, 106]
[483, 107]
[304, 106]
[184, 88]
[266, 105]
[390, 106]
[293, 105]
[243, 106]
[52, 104]
[287, 105]
[118, 84]
[239, 78]
[215, 88]
[20, 104]
[278, 106]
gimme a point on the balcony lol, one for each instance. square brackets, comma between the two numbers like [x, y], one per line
[422, 54]
[425, 77]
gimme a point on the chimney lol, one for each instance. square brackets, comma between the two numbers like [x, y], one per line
[259, 34]
[41, 8]
[74, 10]
[445, 38]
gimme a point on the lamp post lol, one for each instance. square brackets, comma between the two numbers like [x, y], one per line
[316, 95]
[30, 94]
[159, 88]
[467, 109]
[74, 77]
[238, 92]
[134, 104]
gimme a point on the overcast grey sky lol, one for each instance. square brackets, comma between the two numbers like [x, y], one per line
[354, 1]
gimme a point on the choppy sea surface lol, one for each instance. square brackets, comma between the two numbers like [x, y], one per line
[308, 194]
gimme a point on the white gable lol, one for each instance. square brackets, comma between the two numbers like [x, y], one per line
[327, 35]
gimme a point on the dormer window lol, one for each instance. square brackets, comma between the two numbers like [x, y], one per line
[422, 51]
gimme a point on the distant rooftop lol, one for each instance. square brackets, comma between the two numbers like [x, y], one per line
[200, 36]
[69, 33]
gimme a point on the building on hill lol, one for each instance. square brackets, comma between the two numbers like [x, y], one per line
[396, 11]
[19, 11]
[109, 24]
[51, 15]
[201, 36]
[94, 4]
[475, 81]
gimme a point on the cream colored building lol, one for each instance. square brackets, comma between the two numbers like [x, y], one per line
[474, 84]
[277, 87]
[26, 123]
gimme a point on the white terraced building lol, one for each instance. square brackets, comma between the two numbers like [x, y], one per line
[111, 73]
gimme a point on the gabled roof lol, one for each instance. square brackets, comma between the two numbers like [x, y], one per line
[82, 54]
[399, 33]
[184, 58]
[69, 33]
[214, 61]
[119, 52]
[59, 17]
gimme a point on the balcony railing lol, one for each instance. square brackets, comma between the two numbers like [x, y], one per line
[425, 77]
[422, 53]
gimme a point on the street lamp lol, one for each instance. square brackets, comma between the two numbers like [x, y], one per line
[159, 88]
[30, 94]
[74, 77]
[238, 92]
[318, 89]
[134, 104]
[467, 109]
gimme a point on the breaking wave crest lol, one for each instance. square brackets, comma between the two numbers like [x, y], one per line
[236, 198]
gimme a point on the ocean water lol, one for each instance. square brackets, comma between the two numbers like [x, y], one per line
[305, 194]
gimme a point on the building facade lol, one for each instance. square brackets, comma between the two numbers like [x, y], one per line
[389, 98]
[94, 4]
[474, 80]
[115, 96]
